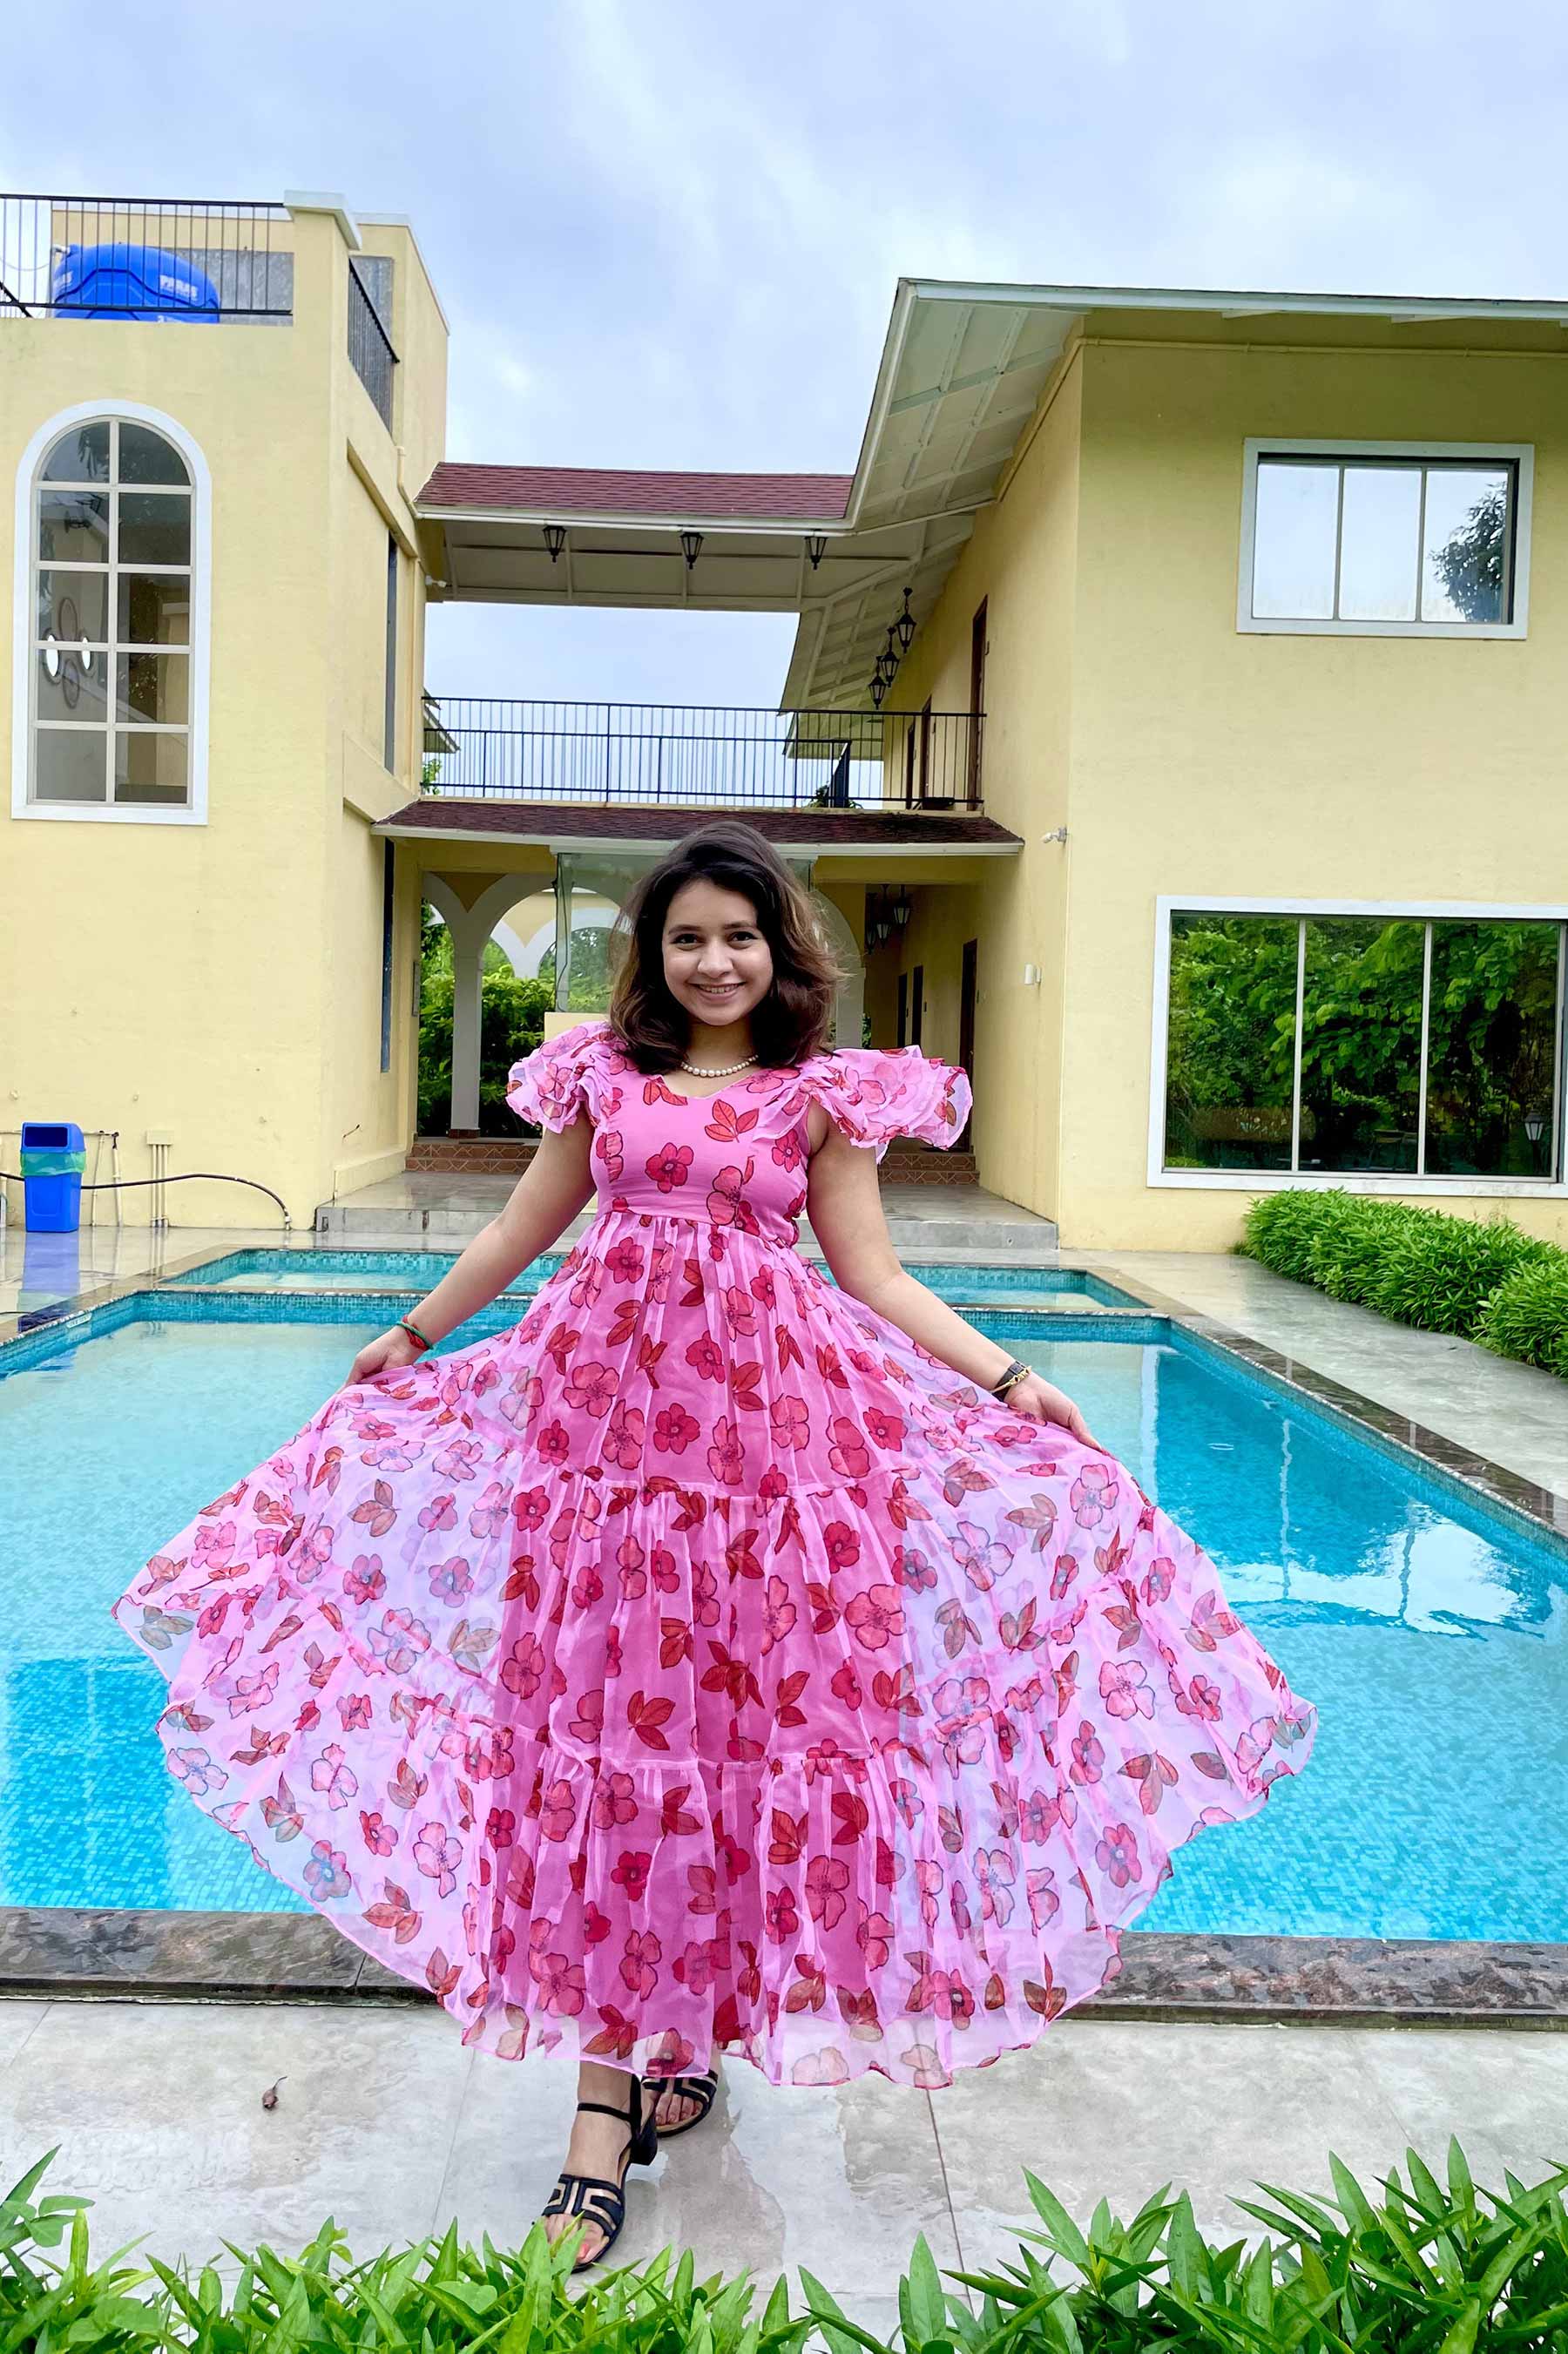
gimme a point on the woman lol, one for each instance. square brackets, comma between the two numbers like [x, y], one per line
[718, 1658]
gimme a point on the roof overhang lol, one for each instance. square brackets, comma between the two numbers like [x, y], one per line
[963, 371]
[909, 840]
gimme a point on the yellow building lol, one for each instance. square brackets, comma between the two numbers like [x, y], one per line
[1171, 733]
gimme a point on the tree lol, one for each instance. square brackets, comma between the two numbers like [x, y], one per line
[1472, 562]
[1232, 1040]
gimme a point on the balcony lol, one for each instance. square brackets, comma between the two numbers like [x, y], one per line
[696, 756]
[161, 258]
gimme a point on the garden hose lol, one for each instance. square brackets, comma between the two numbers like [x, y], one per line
[186, 1177]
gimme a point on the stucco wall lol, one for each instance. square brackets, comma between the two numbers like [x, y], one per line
[222, 981]
[1022, 559]
[1210, 762]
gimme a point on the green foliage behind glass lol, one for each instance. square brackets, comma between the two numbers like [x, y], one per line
[512, 1023]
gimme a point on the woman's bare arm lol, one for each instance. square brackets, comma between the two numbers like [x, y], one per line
[843, 1203]
[542, 1204]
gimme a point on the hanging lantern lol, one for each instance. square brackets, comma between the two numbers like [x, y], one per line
[816, 546]
[691, 548]
[902, 908]
[878, 688]
[887, 660]
[904, 626]
[554, 539]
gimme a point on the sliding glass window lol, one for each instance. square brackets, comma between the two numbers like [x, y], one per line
[1361, 1044]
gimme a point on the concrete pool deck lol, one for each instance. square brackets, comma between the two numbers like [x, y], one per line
[385, 2123]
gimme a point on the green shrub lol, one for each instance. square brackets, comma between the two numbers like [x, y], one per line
[1527, 1315]
[1437, 1272]
[1348, 1256]
[1281, 1229]
[1431, 2268]
[1487, 1282]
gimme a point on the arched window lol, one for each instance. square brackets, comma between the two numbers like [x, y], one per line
[115, 669]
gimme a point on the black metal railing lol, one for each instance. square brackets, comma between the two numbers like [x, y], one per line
[159, 257]
[701, 756]
[370, 345]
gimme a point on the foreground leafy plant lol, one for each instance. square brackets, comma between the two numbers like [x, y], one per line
[1431, 2268]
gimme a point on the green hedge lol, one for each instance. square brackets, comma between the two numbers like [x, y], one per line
[1486, 1282]
[1427, 2268]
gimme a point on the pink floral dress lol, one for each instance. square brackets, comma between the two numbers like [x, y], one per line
[700, 1659]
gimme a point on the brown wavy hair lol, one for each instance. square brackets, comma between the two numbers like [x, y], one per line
[792, 1021]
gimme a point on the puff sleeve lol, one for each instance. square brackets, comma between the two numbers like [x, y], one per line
[551, 1086]
[874, 1094]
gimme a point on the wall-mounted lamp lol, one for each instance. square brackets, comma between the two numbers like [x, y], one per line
[1057, 834]
[555, 538]
[691, 548]
[904, 626]
[816, 546]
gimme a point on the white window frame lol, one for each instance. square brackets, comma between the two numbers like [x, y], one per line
[1366, 1180]
[24, 666]
[1521, 455]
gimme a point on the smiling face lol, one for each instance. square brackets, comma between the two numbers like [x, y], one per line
[717, 965]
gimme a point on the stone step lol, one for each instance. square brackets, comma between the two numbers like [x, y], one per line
[923, 1221]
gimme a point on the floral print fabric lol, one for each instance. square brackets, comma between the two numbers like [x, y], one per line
[701, 1659]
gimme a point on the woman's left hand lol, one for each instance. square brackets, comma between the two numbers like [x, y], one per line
[1043, 1401]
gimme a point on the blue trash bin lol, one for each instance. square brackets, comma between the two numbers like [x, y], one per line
[54, 1155]
[131, 281]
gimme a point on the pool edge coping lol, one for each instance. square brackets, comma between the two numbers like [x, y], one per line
[101, 1954]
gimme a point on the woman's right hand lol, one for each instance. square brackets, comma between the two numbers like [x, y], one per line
[388, 1353]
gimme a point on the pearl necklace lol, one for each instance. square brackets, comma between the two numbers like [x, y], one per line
[707, 1070]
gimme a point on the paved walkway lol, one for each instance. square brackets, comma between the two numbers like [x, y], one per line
[385, 2122]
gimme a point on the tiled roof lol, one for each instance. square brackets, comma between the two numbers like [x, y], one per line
[598, 489]
[643, 822]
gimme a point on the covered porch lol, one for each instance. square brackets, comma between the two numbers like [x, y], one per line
[537, 886]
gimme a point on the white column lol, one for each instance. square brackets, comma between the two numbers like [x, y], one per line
[469, 941]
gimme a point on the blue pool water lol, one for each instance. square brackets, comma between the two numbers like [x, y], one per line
[419, 1271]
[1428, 1629]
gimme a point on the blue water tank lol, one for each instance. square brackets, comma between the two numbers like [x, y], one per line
[131, 281]
[54, 1154]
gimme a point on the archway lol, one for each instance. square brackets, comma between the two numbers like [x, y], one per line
[849, 1005]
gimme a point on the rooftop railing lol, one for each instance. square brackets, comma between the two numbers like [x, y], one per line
[149, 257]
[697, 755]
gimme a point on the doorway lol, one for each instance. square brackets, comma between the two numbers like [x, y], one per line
[971, 959]
[977, 700]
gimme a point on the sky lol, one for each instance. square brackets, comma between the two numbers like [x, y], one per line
[668, 232]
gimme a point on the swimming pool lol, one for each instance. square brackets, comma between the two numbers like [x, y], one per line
[419, 1271]
[1427, 1627]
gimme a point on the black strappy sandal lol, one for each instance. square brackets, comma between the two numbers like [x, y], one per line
[702, 2089]
[598, 2201]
